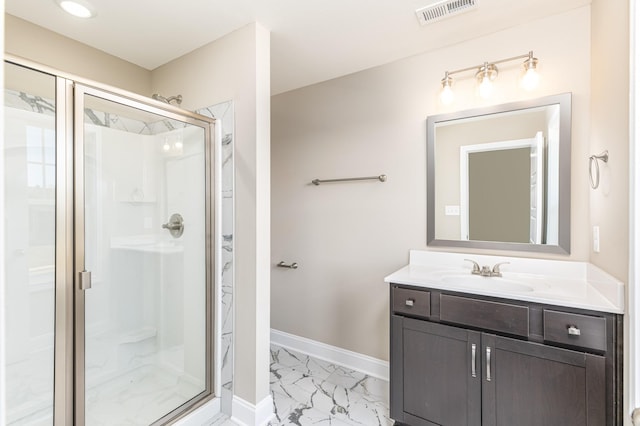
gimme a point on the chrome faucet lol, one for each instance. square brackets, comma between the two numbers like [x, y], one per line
[495, 272]
[486, 270]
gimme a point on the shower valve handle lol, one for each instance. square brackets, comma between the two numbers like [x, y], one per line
[175, 225]
[172, 226]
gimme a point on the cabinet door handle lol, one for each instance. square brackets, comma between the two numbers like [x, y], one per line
[573, 330]
[409, 302]
[488, 364]
[473, 360]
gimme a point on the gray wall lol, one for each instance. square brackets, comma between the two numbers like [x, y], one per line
[347, 237]
[609, 204]
[38, 44]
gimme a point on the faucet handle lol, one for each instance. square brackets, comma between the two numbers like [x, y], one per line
[495, 272]
[476, 267]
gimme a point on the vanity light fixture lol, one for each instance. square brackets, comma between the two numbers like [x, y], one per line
[487, 73]
[485, 76]
[77, 8]
[531, 78]
[446, 96]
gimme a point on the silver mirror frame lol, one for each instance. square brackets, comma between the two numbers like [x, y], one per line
[564, 184]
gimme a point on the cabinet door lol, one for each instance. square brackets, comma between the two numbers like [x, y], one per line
[440, 373]
[530, 384]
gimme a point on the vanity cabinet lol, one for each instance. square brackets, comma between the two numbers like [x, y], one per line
[433, 378]
[533, 384]
[473, 360]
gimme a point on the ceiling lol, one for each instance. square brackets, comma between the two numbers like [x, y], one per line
[311, 40]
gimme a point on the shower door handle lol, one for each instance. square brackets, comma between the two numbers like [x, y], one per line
[84, 280]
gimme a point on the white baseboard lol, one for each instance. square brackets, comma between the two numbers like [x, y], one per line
[201, 415]
[247, 414]
[356, 361]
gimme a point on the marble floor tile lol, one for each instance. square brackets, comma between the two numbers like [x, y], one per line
[303, 415]
[138, 397]
[287, 358]
[305, 391]
[308, 391]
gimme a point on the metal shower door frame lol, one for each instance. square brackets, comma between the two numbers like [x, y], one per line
[63, 362]
[69, 221]
[69, 239]
[79, 93]
[64, 314]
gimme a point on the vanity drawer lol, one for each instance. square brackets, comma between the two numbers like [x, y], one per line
[575, 329]
[500, 317]
[411, 302]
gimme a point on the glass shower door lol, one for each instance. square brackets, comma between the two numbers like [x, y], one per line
[143, 230]
[28, 163]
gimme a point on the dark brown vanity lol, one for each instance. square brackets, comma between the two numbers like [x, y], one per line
[464, 359]
[535, 342]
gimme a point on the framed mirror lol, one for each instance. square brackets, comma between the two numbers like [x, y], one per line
[500, 177]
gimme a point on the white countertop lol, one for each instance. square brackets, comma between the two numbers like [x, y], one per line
[553, 282]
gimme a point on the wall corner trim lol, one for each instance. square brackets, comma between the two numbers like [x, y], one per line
[247, 414]
[356, 361]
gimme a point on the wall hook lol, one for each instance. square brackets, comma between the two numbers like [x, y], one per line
[593, 160]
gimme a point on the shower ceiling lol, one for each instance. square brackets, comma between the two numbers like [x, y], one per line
[327, 38]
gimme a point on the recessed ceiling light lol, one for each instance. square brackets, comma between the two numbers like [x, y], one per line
[78, 8]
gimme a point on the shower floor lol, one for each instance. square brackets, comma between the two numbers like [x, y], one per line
[131, 382]
[137, 397]
[153, 385]
[29, 393]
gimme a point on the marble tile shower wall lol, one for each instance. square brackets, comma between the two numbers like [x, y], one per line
[224, 113]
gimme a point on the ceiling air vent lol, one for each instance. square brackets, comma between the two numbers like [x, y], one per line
[444, 9]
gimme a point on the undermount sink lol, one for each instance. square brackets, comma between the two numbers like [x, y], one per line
[487, 283]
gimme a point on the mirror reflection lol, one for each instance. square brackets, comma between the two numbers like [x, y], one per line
[499, 177]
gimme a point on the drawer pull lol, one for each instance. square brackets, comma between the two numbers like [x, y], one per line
[573, 330]
[473, 360]
[488, 364]
[415, 303]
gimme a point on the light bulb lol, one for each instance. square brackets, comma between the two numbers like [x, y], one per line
[446, 95]
[530, 79]
[166, 147]
[485, 88]
[178, 145]
[485, 76]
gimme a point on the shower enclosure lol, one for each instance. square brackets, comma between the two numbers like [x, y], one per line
[108, 251]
